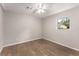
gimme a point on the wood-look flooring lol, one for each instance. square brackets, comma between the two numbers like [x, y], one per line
[40, 47]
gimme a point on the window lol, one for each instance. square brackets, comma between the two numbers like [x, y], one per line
[63, 23]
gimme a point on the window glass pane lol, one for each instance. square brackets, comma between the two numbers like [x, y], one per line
[63, 23]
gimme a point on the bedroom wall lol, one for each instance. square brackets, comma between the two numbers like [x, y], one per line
[1, 28]
[70, 37]
[19, 28]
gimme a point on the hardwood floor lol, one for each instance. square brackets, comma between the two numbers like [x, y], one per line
[40, 47]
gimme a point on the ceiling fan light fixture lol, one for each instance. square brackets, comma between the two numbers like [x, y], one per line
[40, 11]
[40, 8]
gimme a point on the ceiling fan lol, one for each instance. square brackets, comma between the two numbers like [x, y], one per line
[40, 8]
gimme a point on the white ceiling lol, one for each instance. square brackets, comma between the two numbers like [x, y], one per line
[52, 8]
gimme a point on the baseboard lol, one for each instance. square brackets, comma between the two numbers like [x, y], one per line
[62, 44]
[37, 39]
[20, 42]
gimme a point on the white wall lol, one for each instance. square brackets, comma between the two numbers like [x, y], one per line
[70, 37]
[20, 28]
[1, 28]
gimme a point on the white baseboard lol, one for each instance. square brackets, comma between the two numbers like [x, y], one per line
[37, 39]
[62, 44]
[20, 42]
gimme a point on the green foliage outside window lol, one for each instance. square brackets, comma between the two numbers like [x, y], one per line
[64, 23]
